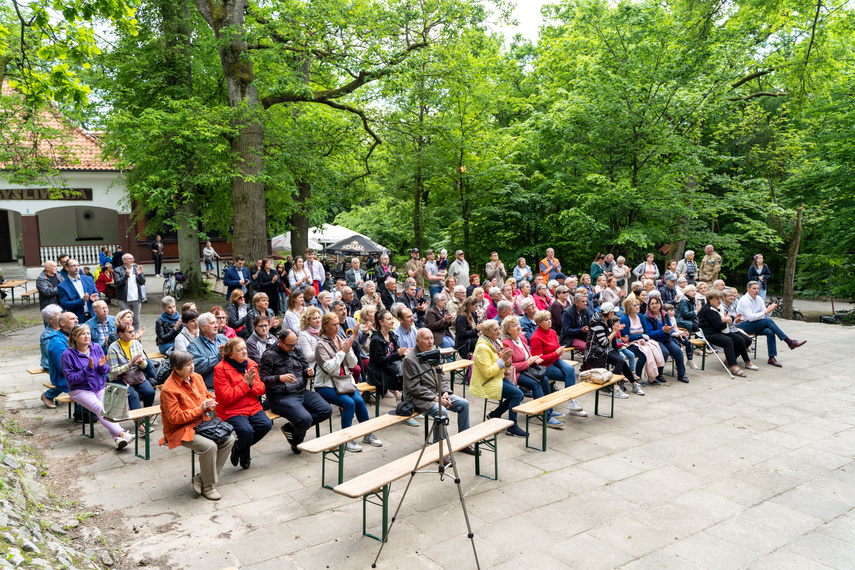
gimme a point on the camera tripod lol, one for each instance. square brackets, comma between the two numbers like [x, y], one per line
[440, 427]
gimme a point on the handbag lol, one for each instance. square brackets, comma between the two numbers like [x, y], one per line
[596, 376]
[536, 371]
[215, 429]
[115, 402]
[344, 386]
[133, 377]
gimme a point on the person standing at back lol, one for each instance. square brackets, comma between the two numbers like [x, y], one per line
[710, 266]
[129, 280]
[156, 248]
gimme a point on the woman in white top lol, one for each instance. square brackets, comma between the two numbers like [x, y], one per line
[299, 277]
[700, 295]
[307, 340]
[294, 310]
[189, 332]
[612, 294]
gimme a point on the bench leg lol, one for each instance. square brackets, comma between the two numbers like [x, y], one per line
[703, 358]
[192, 463]
[376, 408]
[383, 496]
[755, 347]
[147, 439]
[490, 445]
[337, 457]
[543, 418]
[87, 417]
[597, 403]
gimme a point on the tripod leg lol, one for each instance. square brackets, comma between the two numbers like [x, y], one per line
[470, 534]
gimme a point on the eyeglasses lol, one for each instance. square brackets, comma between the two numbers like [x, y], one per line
[289, 344]
[222, 318]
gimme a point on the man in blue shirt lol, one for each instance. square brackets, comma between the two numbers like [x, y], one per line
[206, 348]
[102, 325]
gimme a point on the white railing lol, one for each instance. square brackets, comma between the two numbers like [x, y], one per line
[84, 254]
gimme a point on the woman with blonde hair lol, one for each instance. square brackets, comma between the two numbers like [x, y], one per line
[488, 376]
[310, 332]
[294, 310]
[236, 310]
[621, 271]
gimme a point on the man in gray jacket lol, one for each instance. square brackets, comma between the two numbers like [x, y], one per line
[421, 391]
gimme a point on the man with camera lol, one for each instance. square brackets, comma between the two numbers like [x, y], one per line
[420, 385]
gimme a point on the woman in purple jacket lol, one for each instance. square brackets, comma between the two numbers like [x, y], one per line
[84, 365]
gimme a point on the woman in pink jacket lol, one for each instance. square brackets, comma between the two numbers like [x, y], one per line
[521, 362]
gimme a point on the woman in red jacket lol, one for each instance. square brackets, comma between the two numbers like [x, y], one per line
[544, 342]
[521, 362]
[237, 388]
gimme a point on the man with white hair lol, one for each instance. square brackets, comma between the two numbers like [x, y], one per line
[47, 284]
[129, 281]
[355, 277]
[389, 294]
[504, 309]
[455, 303]
[207, 348]
[719, 285]
[551, 289]
[59, 325]
[420, 387]
[48, 313]
[495, 295]
[101, 325]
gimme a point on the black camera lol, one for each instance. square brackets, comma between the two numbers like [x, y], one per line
[432, 357]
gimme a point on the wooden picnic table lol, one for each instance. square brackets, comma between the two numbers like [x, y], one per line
[11, 286]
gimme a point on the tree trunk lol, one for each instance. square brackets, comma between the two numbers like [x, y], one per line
[249, 217]
[188, 247]
[300, 219]
[790, 272]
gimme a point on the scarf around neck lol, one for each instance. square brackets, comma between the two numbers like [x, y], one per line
[239, 366]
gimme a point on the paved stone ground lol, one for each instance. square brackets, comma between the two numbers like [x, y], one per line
[719, 473]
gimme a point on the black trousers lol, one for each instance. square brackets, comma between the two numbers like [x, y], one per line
[302, 411]
[158, 260]
[672, 347]
[619, 366]
[249, 430]
[733, 345]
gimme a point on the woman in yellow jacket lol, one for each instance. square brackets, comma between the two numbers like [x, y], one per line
[491, 361]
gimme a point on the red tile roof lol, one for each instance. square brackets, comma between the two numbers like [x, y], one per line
[74, 149]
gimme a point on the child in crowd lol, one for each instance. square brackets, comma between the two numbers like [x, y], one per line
[681, 337]
[624, 352]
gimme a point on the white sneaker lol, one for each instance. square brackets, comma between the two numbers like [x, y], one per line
[636, 389]
[577, 413]
[620, 393]
[574, 406]
[372, 440]
[693, 365]
[352, 446]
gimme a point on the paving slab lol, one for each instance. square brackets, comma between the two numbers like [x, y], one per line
[752, 472]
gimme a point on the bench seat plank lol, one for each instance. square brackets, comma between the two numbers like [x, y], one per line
[378, 478]
[337, 438]
[542, 404]
[36, 371]
[142, 413]
[456, 365]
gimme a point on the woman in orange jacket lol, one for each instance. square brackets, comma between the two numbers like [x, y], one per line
[237, 387]
[184, 403]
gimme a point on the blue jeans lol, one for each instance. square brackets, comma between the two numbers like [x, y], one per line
[59, 388]
[139, 396]
[671, 347]
[511, 398]
[209, 265]
[628, 356]
[460, 407]
[561, 372]
[762, 293]
[765, 326]
[43, 342]
[165, 348]
[349, 403]
[537, 389]
[433, 290]
[447, 342]
[283, 301]
[249, 430]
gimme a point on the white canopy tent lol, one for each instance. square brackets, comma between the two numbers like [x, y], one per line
[318, 237]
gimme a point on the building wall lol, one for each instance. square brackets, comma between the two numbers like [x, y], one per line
[103, 195]
[67, 225]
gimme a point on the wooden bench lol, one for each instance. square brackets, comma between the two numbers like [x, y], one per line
[377, 483]
[333, 445]
[143, 416]
[455, 368]
[36, 371]
[30, 295]
[156, 356]
[86, 416]
[538, 409]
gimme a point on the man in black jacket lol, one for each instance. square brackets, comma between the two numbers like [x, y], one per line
[574, 322]
[389, 294]
[408, 299]
[285, 374]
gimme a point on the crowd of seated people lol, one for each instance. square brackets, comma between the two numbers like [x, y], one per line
[306, 359]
